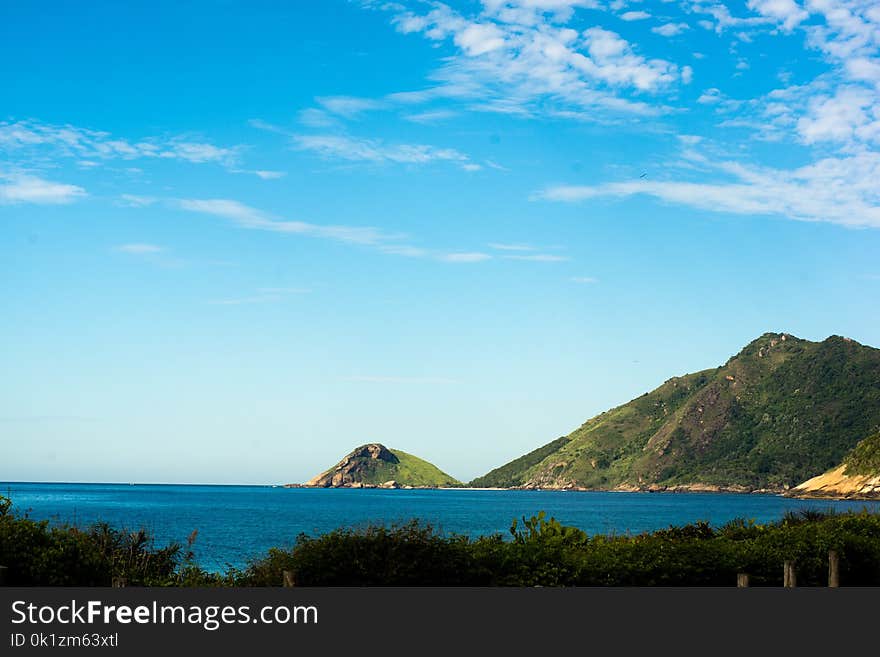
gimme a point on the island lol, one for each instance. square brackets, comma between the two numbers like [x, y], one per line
[375, 466]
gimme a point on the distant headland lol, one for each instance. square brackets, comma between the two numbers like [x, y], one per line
[784, 415]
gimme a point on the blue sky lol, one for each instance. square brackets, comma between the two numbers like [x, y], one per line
[239, 239]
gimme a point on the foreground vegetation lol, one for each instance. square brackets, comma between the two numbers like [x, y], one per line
[539, 552]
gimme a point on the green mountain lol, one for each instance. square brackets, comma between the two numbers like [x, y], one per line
[375, 465]
[865, 457]
[857, 477]
[779, 412]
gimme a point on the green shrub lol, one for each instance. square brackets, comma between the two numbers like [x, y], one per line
[38, 554]
[539, 552]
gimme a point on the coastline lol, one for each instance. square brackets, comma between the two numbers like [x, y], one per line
[843, 497]
[791, 493]
[682, 488]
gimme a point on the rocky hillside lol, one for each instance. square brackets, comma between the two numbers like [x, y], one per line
[858, 477]
[376, 466]
[780, 411]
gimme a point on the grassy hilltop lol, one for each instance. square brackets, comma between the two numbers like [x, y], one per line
[865, 458]
[376, 465]
[779, 412]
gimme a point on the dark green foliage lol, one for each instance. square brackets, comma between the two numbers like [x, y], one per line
[407, 555]
[543, 552]
[778, 413]
[539, 552]
[865, 458]
[510, 475]
[40, 555]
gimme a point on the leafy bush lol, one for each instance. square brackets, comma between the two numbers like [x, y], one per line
[38, 554]
[543, 552]
[539, 552]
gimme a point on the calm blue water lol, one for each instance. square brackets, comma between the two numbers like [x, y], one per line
[236, 523]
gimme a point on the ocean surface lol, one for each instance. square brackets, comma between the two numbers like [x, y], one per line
[236, 523]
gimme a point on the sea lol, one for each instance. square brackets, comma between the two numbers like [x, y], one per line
[235, 524]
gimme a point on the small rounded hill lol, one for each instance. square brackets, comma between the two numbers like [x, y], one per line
[375, 466]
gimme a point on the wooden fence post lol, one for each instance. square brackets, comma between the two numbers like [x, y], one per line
[288, 579]
[742, 580]
[789, 578]
[119, 582]
[833, 569]
[3, 572]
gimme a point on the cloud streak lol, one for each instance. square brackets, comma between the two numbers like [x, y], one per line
[406, 380]
[465, 257]
[139, 249]
[538, 257]
[263, 295]
[839, 190]
[95, 145]
[252, 218]
[375, 151]
[23, 188]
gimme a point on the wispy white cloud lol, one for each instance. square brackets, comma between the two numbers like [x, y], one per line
[139, 248]
[523, 58]
[136, 200]
[787, 12]
[405, 250]
[494, 165]
[851, 115]
[525, 252]
[687, 74]
[246, 216]
[501, 246]
[406, 380]
[311, 117]
[390, 243]
[464, 257]
[538, 257]
[25, 188]
[263, 295]
[840, 106]
[340, 146]
[284, 290]
[260, 124]
[721, 18]
[839, 190]
[270, 175]
[671, 29]
[262, 174]
[372, 150]
[249, 217]
[194, 152]
[95, 145]
[430, 116]
[711, 96]
[635, 15]
[240, 301]
[348, 106]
